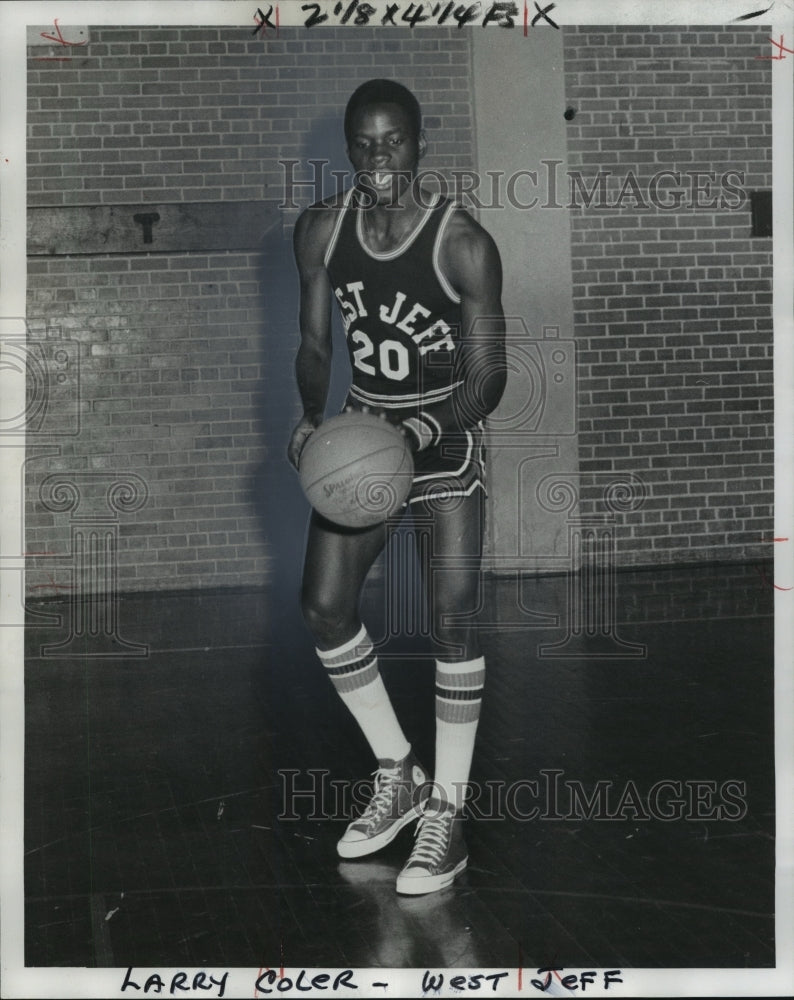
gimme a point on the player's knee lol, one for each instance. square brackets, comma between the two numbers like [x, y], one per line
[328, 623]
[319, 617]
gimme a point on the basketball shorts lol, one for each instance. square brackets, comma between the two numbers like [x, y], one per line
[455, 467]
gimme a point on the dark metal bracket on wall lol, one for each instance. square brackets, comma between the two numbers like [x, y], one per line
[761, 213]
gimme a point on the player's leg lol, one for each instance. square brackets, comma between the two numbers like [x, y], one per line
[336, 566]
[452, 572]
[451, 569]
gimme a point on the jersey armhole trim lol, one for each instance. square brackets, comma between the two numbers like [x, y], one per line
[449, 291]
[337, 227]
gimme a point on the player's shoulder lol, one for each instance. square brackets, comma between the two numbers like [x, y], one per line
[467, 243]
[315, 225]
[463, 228]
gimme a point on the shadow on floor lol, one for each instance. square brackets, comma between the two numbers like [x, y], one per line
[182, 807]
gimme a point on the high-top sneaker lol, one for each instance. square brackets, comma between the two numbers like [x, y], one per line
[396, 801]
[439, 854]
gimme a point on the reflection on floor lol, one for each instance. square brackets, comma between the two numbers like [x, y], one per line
[182, 807]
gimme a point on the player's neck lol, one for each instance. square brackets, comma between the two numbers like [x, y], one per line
[384, 227]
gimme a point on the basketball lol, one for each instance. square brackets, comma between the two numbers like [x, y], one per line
[356, 469]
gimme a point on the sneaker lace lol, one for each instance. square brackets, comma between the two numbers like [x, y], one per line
[385, 788]
[432, 838]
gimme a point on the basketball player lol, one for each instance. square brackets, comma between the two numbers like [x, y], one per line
[418, 284]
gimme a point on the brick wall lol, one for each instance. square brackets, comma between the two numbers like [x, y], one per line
[186, 358]
[673, 306]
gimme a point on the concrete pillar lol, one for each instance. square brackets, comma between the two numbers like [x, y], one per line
[519, 105]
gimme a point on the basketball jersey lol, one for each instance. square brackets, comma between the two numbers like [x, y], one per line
[401, 317]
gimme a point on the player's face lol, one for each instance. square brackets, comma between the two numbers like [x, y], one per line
[384, 150]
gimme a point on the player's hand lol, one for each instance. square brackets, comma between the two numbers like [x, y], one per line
[305, 429]
[366, 409]
[411, 438]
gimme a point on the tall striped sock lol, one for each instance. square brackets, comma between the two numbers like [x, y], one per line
[353, 669]
[458, 698]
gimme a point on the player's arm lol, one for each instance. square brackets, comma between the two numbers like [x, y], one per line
[313, 360]
[470, 260]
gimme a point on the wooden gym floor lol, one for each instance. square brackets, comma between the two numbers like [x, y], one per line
[159, 830]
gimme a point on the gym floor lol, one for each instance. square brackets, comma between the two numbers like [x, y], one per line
[160, 828]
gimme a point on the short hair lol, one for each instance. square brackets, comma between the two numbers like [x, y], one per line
[382, 92]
